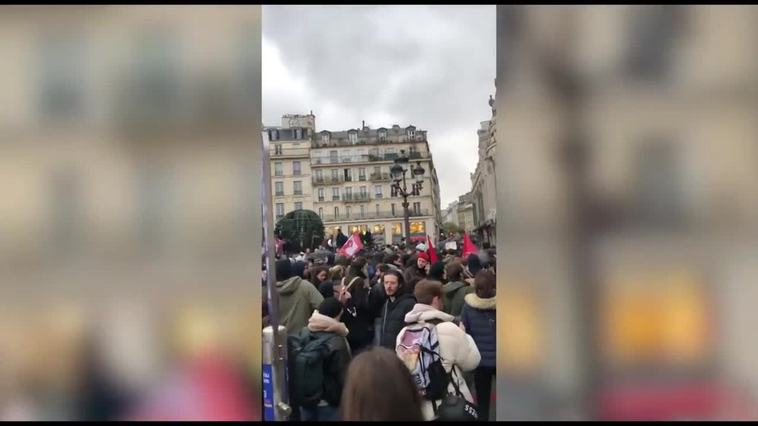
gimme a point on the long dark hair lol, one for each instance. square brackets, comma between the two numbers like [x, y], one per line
[380, 369]
[314, 274]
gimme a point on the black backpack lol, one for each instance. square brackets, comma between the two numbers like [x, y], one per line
[307, 353]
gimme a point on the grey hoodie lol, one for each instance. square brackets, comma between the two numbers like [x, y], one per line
[298, 299]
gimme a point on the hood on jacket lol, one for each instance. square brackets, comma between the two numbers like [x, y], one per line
[437, 271]
[400, 296]
[289, 285]
[452, 286]
[477, 302]
[320, 322]
[422, 312]
[298, 269]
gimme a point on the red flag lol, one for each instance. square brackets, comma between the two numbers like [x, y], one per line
[352, 246]
[431, 251]
[468, 246]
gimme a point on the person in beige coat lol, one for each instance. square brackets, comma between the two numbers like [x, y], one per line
[457, 348]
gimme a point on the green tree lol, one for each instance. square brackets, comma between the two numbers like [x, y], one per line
[451, 227]
[301, 229]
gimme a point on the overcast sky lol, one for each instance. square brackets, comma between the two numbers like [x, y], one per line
[430, 66]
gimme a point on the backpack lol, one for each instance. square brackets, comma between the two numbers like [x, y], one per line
[419, 350]
[307, 353]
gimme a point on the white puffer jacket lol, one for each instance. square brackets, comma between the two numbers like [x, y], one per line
[456, 348]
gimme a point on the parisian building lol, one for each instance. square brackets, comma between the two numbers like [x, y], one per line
[344, 177]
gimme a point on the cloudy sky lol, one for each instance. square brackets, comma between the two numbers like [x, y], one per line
[430, 66]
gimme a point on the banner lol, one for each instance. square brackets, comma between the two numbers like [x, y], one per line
[468, 246]
[352, 246]
[431, 251]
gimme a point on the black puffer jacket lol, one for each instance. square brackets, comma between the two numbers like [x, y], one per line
[359, 316]
[392, 318]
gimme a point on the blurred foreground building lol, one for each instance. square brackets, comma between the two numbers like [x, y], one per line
[129, 175]
[627, 181]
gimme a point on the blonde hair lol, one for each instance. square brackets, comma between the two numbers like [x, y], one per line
[336, 272]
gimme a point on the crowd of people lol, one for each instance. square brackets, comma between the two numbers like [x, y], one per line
[376, 327]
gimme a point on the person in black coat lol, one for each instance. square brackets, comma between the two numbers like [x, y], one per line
[478, 320]
[397, 305]
[341, 238]
[355, 295]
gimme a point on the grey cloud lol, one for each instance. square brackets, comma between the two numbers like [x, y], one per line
[350, 55]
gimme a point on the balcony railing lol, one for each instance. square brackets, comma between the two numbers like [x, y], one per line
[329, 180]
[389, 140]
[373, 215]
[355, 198]
[380, 177]
[363, 158]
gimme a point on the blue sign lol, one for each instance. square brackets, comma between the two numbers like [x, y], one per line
[268, 394]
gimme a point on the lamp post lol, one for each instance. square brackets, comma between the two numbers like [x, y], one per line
[400, 185]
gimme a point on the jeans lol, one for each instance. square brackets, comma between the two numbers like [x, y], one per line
[325, 413]
[483, 383]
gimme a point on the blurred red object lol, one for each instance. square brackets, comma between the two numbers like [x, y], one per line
[209, 388]
[673, 401]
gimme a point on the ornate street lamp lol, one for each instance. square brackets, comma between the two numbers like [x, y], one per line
[400, 185]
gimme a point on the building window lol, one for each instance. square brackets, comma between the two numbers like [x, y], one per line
[335, 194]
[411, 132]
[296, 168]
[659, 186]
[379, 229]
[274, 135]
[279, 188]
[382, 135]
[364, 192]
[335, 175]
[278, 171]
[416, 208]
[347, 212]
[155, 96]
[66, 210]
[362, 174]
[298, 187]
[298, 133]
[363, 212]
[377, 172]
[377, 210]
[348, 175]
[353, 137]
[333, 157]
[278, 149]
[393, 209]
[652, 37]
[336, 213]
[325, 138]
[155, 202]
[298, 205]
[321, 212]
[378, 191]
[321, 194]
[62, 81]
[279, 210]
[418, 228]
[319, 175]
[397, 229]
